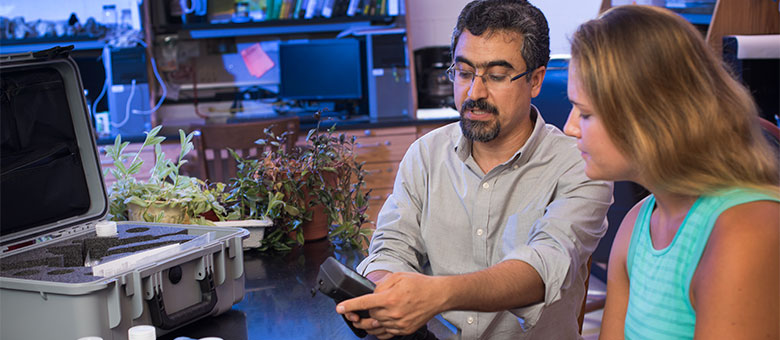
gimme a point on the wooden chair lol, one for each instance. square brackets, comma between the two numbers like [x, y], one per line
[771, 132]
[216, 164]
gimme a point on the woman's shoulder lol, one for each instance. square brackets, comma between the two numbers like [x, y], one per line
[626, 230]
[738, 271]
[743, 231]
[749, 218]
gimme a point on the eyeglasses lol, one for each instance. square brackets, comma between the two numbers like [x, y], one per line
[496, 81]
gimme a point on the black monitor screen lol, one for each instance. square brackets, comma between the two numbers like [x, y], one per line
[321, 69]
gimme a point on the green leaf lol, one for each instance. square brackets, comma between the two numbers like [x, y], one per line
[157, 140]
[137, 201]
[134, 168]
[293, 211]
[150, 136]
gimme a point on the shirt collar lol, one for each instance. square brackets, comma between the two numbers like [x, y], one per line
[463, 147]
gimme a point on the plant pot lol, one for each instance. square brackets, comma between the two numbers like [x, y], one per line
[256, 230]
[171, 214]
[317, 228]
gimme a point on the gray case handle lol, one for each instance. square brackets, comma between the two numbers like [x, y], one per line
[161, 319]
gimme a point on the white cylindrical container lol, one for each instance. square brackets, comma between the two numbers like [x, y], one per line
[105, 229]
[142, 332]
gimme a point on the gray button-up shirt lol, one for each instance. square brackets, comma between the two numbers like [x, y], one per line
[447, 217]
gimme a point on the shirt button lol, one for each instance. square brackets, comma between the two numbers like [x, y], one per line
[470, 320]
[480, 232]
[485, 185]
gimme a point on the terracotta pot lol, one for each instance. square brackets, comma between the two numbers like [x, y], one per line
[317, 228]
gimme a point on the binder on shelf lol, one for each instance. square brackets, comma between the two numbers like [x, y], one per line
[393, 7]
[283, 9]
[353, 7]
[299, 6]
[309, 12]
[290, 9]
[277, 9]
[327, 9]
[269, 11]
[318, 8]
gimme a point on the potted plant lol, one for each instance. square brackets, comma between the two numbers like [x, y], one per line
[167, 196]
[298, 186]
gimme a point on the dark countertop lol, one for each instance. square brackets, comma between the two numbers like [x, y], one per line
[278, 303]
[352, 123]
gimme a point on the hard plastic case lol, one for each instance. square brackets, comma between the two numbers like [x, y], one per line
[52, 195]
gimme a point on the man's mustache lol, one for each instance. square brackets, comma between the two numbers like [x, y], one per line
[479, 105]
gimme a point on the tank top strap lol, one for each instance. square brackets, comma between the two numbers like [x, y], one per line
[640, 228]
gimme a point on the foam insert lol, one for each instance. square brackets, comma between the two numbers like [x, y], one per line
[63, 261]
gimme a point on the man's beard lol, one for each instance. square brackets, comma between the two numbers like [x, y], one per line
[479, 130]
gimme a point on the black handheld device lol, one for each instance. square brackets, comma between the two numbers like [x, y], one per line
[340, 283]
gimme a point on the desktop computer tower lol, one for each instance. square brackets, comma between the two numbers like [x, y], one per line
[388, 76]
[127, 81]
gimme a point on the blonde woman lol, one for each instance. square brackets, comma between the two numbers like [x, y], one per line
[699, 257]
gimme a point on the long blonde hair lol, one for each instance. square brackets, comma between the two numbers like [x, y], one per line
[669, 104]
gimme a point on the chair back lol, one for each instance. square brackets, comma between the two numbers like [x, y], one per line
[771, 132]
[216, 164]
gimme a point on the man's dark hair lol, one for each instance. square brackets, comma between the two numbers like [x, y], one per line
[518, 16]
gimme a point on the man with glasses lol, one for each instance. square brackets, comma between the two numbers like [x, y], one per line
[492, 220]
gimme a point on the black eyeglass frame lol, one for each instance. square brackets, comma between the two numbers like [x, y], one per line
[452, 69]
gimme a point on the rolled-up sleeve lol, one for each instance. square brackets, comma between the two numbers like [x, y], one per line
[561, 241]
[397, 244]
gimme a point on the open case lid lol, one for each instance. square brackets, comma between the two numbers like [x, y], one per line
[50, 175]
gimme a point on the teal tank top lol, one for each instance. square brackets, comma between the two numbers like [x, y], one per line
[659, 306]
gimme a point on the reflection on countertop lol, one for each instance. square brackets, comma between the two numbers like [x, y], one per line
[278, 303]
[342, 123]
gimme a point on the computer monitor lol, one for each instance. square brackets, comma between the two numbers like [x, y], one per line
[320, 70]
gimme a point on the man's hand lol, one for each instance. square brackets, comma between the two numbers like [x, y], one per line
[370, 325]
[400, 304]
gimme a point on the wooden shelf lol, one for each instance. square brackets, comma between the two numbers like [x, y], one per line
[278, 27]
[732, 17]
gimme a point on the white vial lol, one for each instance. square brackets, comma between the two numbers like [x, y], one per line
[105, 229]
[143, 332]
